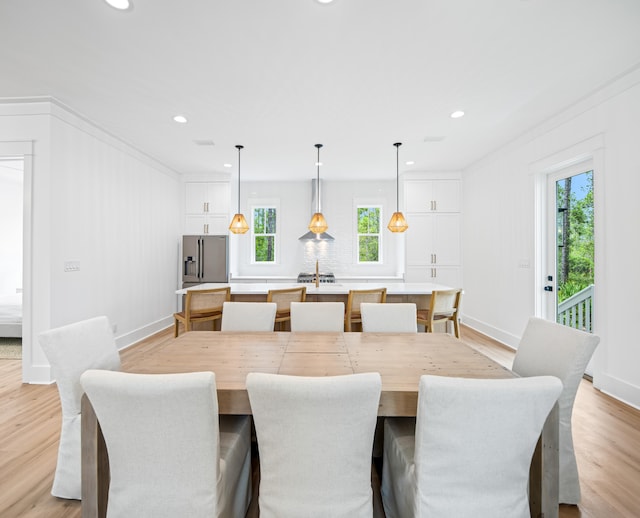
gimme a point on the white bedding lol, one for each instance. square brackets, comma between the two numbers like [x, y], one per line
[11, 315]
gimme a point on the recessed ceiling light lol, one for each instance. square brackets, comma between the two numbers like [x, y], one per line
[457, 114]
[119, 4]
[180, 118]
[410, 162]
[228, 165]
[324, 1]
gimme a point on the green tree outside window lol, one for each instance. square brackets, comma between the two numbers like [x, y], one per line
[368, 234]
[264, 234]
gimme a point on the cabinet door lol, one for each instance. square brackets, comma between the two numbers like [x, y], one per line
[446, 239]
[433, 239]
[418, 195]
[195, 201]
[447, 276]
[207, 197]
[432, 195]
[205, 225]
[419, 239]
[446, 195]
[219, 193]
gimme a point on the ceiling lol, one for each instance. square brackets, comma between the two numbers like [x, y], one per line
[279, 76]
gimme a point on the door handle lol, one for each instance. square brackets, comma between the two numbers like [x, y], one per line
[548, 288]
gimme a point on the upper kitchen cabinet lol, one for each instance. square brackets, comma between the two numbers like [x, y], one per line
[432, 195]
[207, 207]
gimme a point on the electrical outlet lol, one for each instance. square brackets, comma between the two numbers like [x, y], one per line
[72, 266]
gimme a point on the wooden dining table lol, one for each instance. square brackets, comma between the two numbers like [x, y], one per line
[400, 358]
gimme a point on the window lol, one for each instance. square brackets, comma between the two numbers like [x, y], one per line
[264, 234]
[369, 234]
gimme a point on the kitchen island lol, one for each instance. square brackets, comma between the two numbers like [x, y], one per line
[418, 292]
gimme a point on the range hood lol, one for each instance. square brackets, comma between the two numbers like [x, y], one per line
[315, 203]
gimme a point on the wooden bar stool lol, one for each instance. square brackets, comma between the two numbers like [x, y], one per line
[201, 306]
[283, 298]
[356, 297]
[444, 307]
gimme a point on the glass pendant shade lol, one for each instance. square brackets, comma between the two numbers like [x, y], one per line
[397, 222]
[318, 224]
[239, 224]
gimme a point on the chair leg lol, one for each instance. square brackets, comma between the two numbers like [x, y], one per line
[456, 328]
[175, 327]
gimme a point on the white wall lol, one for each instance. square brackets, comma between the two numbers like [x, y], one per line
[500, 221]
[11, 185]
[339, 199]
[114, 210]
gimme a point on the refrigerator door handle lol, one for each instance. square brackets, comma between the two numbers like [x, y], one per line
[201, 258]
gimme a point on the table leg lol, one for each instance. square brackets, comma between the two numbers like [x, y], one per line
[95, 465]
[544, 474]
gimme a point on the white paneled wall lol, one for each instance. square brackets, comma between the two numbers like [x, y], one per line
[103, 205]
[500, 222]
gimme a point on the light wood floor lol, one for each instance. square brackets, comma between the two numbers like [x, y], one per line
[606, 434]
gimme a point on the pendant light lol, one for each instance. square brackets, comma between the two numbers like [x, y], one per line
[397, 223]
[318, 224]
[238, 223]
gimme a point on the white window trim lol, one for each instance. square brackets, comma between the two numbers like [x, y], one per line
[368, 203]
[264, 204]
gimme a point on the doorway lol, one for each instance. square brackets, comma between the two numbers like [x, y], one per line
[11, 256]
[569, 283]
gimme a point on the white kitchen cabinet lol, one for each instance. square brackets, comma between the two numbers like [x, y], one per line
[446, 275]
[207, 207]
[433, 240]
[432, 195]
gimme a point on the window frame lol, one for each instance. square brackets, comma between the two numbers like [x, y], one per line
[364, 204]
[265, 204]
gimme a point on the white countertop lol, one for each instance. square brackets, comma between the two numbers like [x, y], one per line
[339, 288]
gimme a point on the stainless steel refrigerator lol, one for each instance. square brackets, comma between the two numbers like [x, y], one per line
[204, 259]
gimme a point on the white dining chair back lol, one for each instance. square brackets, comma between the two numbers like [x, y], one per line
[71, 350]
[169, 454]
[468, 451]
[389, 318]
[248, 316]
[315, 437]
[317, 316]
[548, 348]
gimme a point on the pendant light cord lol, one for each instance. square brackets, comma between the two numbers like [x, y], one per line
[318, 177]
[397, 145]
[239, 148]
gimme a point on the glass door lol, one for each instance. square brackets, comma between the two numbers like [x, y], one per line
[569, 283]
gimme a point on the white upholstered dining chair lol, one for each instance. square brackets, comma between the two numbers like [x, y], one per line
[547, 348]
[71, 350]
[317, 316]
[248, 316]
[170, 454]
[468, 451]
[389, 318]
[314, 440]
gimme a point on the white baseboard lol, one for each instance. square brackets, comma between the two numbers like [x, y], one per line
[501, 336]
[133, 337]
[618, 389]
